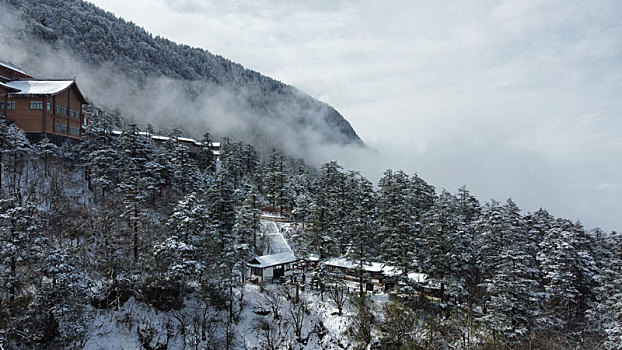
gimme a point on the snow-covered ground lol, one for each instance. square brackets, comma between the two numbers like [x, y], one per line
[322, 327]
[274, 242]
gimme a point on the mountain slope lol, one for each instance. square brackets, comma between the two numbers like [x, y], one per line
[99, 40]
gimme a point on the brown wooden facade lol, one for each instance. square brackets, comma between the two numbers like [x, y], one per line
[41, 111]
[59, 113]
[8, 73]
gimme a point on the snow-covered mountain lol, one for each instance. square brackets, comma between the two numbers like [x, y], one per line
[154, 80]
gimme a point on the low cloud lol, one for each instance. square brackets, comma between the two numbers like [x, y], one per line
[513, 99]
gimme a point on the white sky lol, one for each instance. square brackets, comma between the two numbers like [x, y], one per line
[518, 99]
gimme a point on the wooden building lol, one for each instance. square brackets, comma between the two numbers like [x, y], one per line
[46, 106]
[41, 106]
[8, 73]
[380, 277]
[267, 268]
[348, 270]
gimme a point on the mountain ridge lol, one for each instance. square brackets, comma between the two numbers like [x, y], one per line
[98, 37]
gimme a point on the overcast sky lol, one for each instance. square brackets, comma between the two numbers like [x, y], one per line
[518, 99]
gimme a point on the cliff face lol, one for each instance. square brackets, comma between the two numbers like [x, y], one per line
[99, 39]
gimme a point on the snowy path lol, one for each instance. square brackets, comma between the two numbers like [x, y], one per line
[275, 242]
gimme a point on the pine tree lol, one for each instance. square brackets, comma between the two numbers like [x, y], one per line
[515, 297]
[421, 196]
[206, 158]
[329, 213]
[138, 182]
[275, 181]
[444, 254]
[398, 244]
[21, 242]
[568, 272]
[185, 174]
[15, 150]
[490, 238]
[247, 221]
[363, 225]
[103, 169]
[220, 207]
[48, 151]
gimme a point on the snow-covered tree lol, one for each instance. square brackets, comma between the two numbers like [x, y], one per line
[21, 243]
[568, 270]
[399, 241]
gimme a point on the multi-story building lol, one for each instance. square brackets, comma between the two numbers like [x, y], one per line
[41, 106]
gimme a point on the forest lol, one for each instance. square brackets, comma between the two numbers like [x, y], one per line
[113, 224]
[76, 32]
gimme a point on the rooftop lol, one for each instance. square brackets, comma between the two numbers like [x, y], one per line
[12, 89]
[13, 68]
[273, 259]
[39, 87]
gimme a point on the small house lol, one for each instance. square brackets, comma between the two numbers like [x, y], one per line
[373, 272]
[267, 268]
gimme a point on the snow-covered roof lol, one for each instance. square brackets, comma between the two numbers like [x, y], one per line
[418, 277]
[13, 68]
[8, 87]
[166, 138]
[273, 259]
[40, 87]
[349, 264]
[313, 257]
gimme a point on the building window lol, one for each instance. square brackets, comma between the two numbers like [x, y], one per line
[10, 105]
[61, 109]
[36, 104]
[49, 106]
[60, 128]
[255, 271]
[74, 131]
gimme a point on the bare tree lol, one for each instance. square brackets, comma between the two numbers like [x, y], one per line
[274, 297]
[271, 332]
[297, 314]
[338, 293]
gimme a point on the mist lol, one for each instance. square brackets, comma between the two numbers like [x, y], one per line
[501, 123]
[194, 107]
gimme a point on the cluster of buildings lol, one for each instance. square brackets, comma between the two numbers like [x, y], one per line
[378, 276]
[54, 108]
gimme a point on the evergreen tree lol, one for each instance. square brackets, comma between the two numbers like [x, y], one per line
[515, 297]
[138, 182]
[185, 174]
[48, 152]
[605, 313]
[329, 213]
[490, 237]
[568, 272]
[445, 252]
[220, 207]
[21, 243]
[275, 181]
[363, 224]
[206, 158]
[247, 221]
[15, 150]
[399, 242]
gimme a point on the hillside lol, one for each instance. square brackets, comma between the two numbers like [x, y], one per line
[208, 87]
